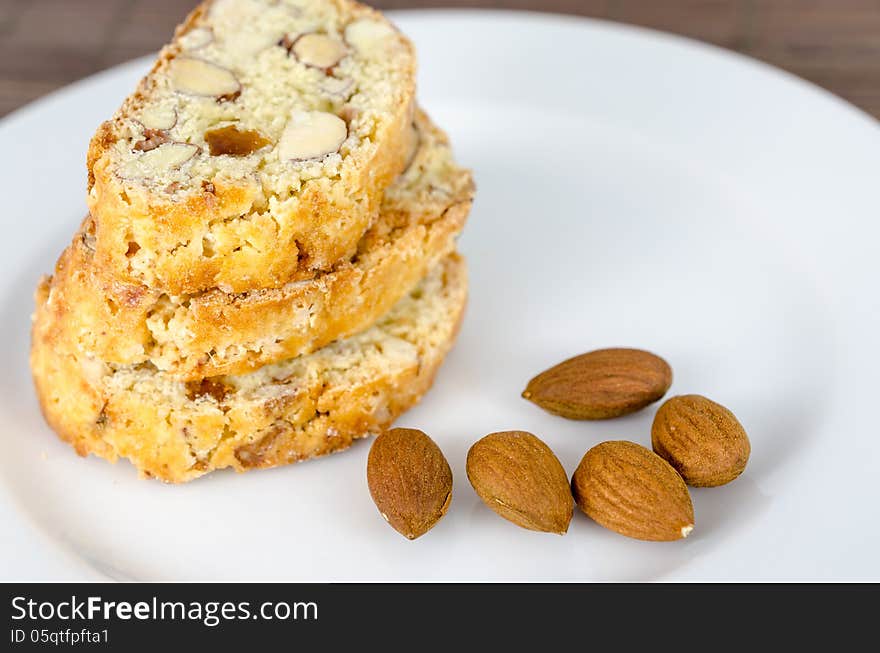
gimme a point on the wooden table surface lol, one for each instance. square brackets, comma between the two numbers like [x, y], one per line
[45, 44]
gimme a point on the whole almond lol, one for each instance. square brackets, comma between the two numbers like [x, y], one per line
[601, 384]
[631, 490]
[702, 440]
[410, 480]
[520, 478]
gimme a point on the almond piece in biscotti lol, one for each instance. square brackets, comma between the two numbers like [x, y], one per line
[154, 162]
[248, 44]
[199, 77]
[319, 50]
[234, 141]
[153, 138]
[367, 36]
[337, 89]
[197, 38]
[158, 118]
[311, 135]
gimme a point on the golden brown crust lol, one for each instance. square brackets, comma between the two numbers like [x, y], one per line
[297, 409]
[216, 333]
[260, 240]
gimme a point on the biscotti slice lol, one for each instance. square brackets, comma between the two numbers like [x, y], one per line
[257, 149]
[213, 333]
[296, 409]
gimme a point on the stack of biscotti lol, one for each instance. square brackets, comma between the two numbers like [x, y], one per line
[268, 267]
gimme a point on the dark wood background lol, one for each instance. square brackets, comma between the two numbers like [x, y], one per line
[45, 44]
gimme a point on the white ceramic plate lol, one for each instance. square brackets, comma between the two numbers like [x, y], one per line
[634, 189]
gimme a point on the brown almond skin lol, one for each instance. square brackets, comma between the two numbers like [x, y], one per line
[410, 481]
[701, 439]
[631, 490]
[521, 479]
[601, 384]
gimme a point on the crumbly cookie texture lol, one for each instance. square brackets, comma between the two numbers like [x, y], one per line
[257, 149]
[213, 333]
[295, 409]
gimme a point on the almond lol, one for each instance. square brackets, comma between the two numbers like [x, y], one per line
[197, 38]
[243, 44]
[338, 89]
[702, 440]
[520, 478]
[410, 481]
[369, 37]
[318, 50]
[601, 384]
[158, 117]
[153, 138]
[631, 490]
[155, 161]
[311, 135]
[199, 77]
